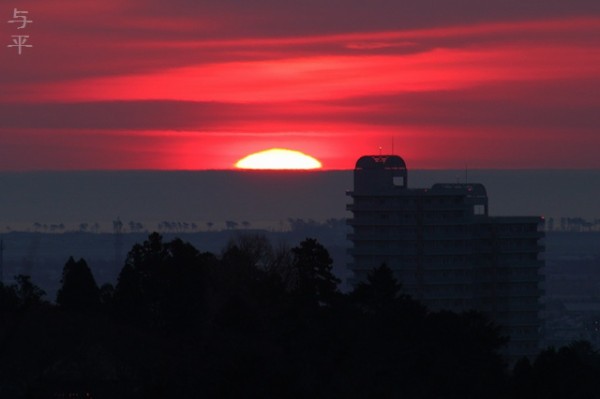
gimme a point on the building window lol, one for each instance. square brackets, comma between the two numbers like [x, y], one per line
[478, 209]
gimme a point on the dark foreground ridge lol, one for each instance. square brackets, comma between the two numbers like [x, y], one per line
[258, 321]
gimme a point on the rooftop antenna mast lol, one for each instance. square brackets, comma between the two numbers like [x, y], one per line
[466, 174]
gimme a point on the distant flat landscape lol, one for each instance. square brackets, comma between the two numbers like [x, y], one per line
[37, 200]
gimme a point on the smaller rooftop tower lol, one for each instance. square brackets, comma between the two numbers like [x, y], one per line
[377, 173]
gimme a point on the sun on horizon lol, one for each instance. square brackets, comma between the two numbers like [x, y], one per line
[278, 159]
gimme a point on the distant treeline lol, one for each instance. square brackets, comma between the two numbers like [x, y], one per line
[258, 321]
[572, 224]
[174, 226]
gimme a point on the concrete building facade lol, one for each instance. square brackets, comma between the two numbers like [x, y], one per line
[446, 250]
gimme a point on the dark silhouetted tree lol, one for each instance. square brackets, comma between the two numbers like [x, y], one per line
[23, 295]
[162, 282]
[8, 298]
[461, 353]
[572, 371]
[522, 386]
[256, 247]
[79, 290]
[239, 270]
[380, 290]
[128, 297]
[107, 292]
[28, 294]
[313, 268]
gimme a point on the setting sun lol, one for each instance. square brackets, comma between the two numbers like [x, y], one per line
[278, 159]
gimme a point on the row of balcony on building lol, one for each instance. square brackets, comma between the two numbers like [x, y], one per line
[508, 267]
[398, 248]
[437, 233]
[445, 219]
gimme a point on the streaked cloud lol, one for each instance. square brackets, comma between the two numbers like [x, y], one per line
[238, 76]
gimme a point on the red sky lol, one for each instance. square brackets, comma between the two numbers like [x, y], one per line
[149, 84]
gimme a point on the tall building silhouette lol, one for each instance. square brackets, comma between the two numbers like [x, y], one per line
[446, 250]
